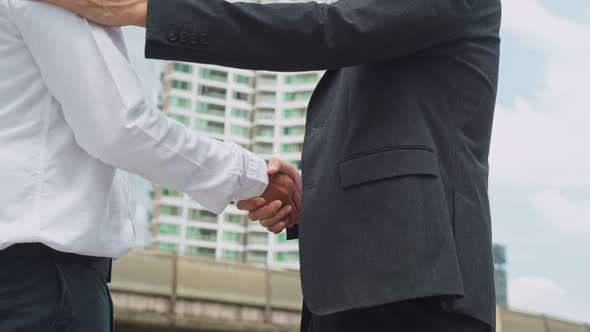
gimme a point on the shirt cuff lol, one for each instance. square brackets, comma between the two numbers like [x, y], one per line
[255, 180]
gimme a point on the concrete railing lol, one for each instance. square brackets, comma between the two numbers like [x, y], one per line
[154, 292]
[513, 321]
[181, 290]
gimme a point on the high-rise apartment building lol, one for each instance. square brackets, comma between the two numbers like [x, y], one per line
[500, 275]
[261, 111]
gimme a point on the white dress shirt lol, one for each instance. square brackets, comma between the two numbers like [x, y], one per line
[72, 111]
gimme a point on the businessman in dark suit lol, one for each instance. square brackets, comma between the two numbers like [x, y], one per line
[395, 229]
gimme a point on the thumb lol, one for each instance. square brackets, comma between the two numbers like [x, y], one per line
[274, 166]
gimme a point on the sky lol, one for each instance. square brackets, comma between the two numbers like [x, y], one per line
[540, 157]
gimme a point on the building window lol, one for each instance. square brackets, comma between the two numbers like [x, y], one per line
[210, 126]
[183, 67]
[198, 251]
[234, 219]
[292, 148]
[267, 80]
[233, 237]
[170, 210]
[180, 118]
[213, 92]
[168, 229]
[266, 97]
[240, 131]
[294, 131]
[265, 114]
[182, 85]
[282, 237]
[263, 148]
[171, 193]
[243, 79]
[202, 216]
[294, 113]
[232, 255]
[256, 256]
[258, 238]
[201, 234]
[211, 109]
[298, 96]
[241, 96]
[240, 113]
[265, 131]
[214, 75]
[291, 256]
[179, 102]
[167, 247]
[301, 78]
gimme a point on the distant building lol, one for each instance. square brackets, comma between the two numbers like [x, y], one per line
[500, 275]
[262, 111]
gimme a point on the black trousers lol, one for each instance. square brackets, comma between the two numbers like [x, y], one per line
[50, 294]
[410, 316]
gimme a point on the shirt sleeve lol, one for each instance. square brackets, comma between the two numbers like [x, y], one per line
[85, 67]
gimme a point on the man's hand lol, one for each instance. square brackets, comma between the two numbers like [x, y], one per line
[108, 12]
[283, 195]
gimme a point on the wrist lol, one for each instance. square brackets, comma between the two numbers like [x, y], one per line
[138, 13]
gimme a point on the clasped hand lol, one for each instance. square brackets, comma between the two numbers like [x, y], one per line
[279, 206]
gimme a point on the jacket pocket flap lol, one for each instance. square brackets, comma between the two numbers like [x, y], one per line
[387, 164]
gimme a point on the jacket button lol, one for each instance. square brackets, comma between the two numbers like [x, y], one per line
[184, 37]
[195, 38]
[172, 36]
[204, 39]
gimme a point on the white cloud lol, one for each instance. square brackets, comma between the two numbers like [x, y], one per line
[540, 28]
[542, 295]
[567, 216]
[544, 139]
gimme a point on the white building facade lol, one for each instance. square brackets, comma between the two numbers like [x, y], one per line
[260, 110]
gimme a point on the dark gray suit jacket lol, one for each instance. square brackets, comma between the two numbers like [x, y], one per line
[395, 161]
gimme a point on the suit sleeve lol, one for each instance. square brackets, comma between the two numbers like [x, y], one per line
[299, 36]
[293, 233]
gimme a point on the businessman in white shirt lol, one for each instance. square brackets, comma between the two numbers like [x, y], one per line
[72, 112]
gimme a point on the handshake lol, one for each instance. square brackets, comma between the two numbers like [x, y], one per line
[279, 206]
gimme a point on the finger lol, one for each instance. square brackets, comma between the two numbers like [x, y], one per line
[266, 212]
[280, 216]
[294, 174]
[293, 218]
[274, 166]
[290, 223]
[296, 200]
[278, 227]
[278, 166]
[250, 204]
